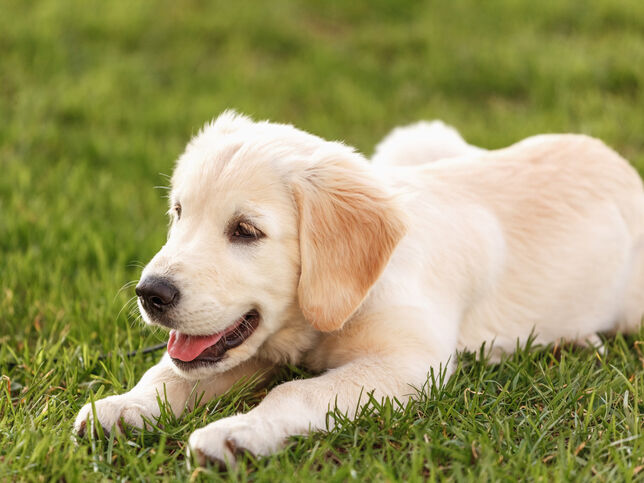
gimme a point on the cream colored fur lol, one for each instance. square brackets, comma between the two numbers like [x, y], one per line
[376, 274]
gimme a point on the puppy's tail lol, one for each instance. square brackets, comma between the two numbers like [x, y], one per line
[422, 142]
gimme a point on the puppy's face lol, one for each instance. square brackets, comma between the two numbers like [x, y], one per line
[236, 267]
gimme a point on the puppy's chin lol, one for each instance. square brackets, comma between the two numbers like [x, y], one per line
[232, 358]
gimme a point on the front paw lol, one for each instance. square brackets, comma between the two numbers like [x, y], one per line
[112, 413]
[223, 440]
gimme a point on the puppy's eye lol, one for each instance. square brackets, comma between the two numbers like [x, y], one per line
[244, 231]
[177, 210]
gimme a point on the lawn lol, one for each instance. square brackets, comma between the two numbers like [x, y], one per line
[97, 99]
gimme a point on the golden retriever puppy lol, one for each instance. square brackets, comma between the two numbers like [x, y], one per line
[285, 247]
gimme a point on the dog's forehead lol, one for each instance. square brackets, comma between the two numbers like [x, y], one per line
[223, 189]
[253, 160]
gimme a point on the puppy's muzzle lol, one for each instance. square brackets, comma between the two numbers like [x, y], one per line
[157, 294]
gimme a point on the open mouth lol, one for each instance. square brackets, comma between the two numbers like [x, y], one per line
[191, 351]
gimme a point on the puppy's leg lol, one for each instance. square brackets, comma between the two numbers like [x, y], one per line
[297, 407]
[592, 341]
[159, 382]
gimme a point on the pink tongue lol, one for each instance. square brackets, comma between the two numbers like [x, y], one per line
[187, 348]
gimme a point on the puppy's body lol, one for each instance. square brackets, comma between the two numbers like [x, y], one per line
[377, 274]
[531, 247]
[548, 232]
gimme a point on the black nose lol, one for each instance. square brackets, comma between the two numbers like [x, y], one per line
[157, 294]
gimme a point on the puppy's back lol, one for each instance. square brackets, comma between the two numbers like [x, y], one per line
[572, 215]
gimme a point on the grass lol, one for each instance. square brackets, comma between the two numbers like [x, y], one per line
[97, 99]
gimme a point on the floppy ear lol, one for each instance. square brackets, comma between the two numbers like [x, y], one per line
[349, 227]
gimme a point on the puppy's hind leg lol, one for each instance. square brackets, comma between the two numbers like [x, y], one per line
[634, 310]
[592, 341]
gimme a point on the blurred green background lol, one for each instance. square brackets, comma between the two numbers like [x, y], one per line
[97, 100]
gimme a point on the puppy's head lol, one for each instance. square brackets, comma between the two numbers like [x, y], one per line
[272, 228]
